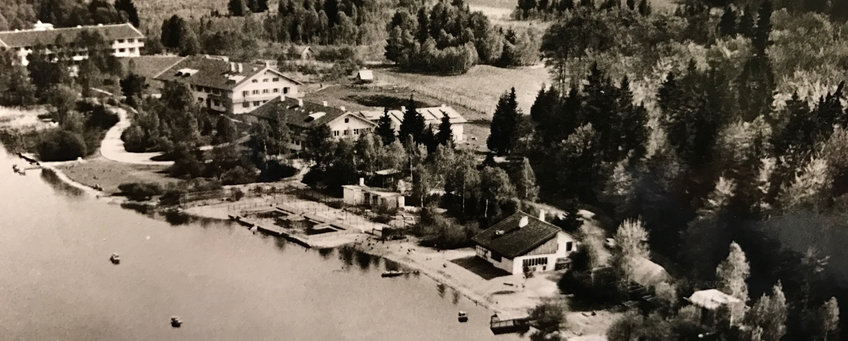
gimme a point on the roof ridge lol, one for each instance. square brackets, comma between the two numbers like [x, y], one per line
[78, 27]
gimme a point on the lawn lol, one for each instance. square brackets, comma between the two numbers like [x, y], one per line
[478, 90]
[109, 174]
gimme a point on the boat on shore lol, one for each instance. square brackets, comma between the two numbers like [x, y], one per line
[462, 316]
[115, 258]
[393, 273]
[176, 321]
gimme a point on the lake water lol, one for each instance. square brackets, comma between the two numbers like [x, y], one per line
[56, 281]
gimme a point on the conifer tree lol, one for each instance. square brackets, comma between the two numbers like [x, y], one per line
[503, 135]
[746, 23]
[727, 23]
[236, 8]
[769, 314]
[412, 123]
[445, 133]
[525, 182]
[384, 128]
[732, 274]
[645, 8]
[128, 7]
[760, 40]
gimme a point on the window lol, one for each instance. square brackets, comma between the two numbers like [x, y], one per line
[246, 104]
[335, 133]
[255, 92]
[256, 103]
[264, 91]
[535, 261]
[496, 256]
[347, 132]
[276, 79]
[216, 102]
[286, 90]
[245, 93]
[122, 50]
[255, 81]
[296, 142]
[568, 246]
[347, 120]
[120, 41]
[356, 132]
[265, 80]
[276, 90]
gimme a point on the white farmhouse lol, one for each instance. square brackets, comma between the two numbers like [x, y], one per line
[522, 243]
[229, 87]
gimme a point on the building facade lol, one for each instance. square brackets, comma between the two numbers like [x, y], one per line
[230, 87]
[302, 115]
[124, 40]
[372, 197]
[522, 243]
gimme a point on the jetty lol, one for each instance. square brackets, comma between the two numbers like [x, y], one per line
[508, 325]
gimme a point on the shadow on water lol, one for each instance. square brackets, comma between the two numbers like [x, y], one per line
[346, 255]
[49, 176]
[440, 288]
[363, 260]
[456, 296]
[142, 208]
[176, 217]
[280, 243]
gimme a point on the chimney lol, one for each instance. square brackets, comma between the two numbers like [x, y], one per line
[324, 103]
[342, 108]
[444, 105]
[523, 221]
[300, 103]
[282, 98]
[402, 109]
[240, 67]
[362, 181]
[233, 67]
[542, 215]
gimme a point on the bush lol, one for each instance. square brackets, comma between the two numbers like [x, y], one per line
[275, 170]
[236, 194]
[61, 145]
[140, 191]
[602, 289]
[238, 175]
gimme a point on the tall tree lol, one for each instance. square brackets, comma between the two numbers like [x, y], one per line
[445, 134]
[769, 314]
[727, 23]
[525, 182]
[225, 131]
[503, 136]
[746, 23]
[732, 274]
[128, 7]
[236, 8]
[412, 123]
[760, 40]
[384, 128]
[828, 318]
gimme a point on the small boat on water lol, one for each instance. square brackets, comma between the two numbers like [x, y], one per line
[393, 273]
[115, 259]
[176, 322]
[462, 316]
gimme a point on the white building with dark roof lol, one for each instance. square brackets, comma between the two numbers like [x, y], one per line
[124, 39]
[432, 117]
[522, 243]
[230, 87]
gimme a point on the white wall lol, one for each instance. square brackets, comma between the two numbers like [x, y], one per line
[261, 91]
[348, 126]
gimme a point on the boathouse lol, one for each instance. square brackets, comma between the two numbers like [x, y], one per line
[523, 243]
[372, 197]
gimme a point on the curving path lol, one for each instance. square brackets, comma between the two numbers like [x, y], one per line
[112, 147]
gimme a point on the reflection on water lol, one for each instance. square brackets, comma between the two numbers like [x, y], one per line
[440, 288]
[176, 217]
[325, 253]
[143, 208]
[363, 260]
[61, 187]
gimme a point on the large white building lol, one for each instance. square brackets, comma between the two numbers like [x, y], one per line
[302, 116]
[230, 87]
[432, 117]
[522, 243]
[125, 40]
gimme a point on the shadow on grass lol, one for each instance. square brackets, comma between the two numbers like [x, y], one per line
[480, 267]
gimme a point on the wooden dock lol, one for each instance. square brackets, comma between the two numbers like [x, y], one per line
[272, 230]
[511, 325]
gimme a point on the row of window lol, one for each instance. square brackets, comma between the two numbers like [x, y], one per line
[131, 40]
[215, 102]
[535, 261]
[206, 89]
[122, 50]
[347, 132]
[265, 80]
[246, 104]
[246, 93]
[73, 45]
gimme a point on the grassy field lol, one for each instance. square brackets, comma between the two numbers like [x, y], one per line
[109, 174]
[478, 90]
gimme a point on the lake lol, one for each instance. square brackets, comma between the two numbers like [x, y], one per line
[226, 283]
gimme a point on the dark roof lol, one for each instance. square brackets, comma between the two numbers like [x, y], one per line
[297, 115]
[514, 240]
[212, 72]
[24, 38]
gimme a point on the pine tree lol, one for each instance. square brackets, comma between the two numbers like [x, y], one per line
[746, 23]
[760, 40]
[828, 318]
[645, 8]
[412, 123]
[503, 135]
[384, 129]
[727, 23]
[632, 125]
[445, 134]
[769, 314]
[732, 274]
[525, 182]
[128, 7]
[236, 8]
[631, 4]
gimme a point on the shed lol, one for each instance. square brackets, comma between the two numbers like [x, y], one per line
[364, 76]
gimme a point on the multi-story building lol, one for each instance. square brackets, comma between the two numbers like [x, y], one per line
[301, 116]
[229, 87]
[124, 40]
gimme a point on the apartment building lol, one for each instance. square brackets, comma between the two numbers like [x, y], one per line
[125, 40]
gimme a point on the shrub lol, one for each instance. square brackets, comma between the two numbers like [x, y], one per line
[600, 289]
[140, 191]
[61, 145]
[238, 175]
[236, 194]
[275, 170]
[171, 197]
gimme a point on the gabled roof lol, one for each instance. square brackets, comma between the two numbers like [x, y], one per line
[23, 38]
[365, 74]
[711, 299]
[306, 116]
[214, 72]
[509, 240]
[432, 115]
